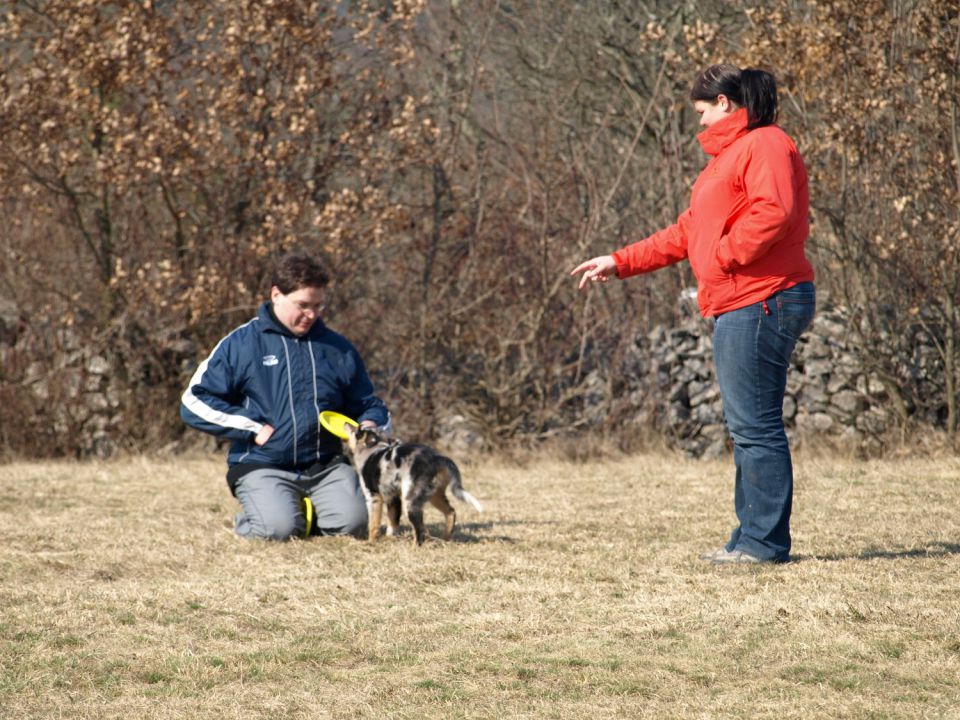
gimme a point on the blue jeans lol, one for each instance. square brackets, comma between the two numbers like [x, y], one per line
[752, 348]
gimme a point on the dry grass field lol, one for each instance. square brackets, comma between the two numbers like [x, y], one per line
[577, 594]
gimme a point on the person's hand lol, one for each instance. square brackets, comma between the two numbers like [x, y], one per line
[265, 432]
[599, 269]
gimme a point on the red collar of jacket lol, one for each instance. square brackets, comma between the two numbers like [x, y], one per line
[718, 136]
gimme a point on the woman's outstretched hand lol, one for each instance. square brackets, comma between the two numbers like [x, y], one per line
[599, 269]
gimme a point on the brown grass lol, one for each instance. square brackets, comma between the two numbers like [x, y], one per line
[124, 594]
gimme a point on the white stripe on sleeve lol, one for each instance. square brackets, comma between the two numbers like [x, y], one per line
[211, 414]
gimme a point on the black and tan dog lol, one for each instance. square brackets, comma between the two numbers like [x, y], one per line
[406, 476]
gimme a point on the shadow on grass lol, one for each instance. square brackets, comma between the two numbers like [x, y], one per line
[479, 532]
[937, 550]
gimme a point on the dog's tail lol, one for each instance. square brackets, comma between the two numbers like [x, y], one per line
[456, 484]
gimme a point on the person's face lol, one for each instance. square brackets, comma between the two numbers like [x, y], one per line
[297, 310]
[711, 112]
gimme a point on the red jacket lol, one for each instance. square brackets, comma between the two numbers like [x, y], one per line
[747, 222]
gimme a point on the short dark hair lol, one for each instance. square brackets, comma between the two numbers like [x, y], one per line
[298, 270]
[753, 89]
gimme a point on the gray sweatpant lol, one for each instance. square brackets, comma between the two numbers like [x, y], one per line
[272, 503]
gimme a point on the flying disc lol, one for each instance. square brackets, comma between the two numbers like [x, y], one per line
[335, 422]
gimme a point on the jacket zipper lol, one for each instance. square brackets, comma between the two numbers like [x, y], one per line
[293, 410]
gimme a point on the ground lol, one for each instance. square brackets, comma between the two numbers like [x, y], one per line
[576, 594]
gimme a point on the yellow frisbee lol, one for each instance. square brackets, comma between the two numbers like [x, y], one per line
[335, 422]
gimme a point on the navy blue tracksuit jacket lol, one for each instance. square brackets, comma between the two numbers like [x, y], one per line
[261, 373]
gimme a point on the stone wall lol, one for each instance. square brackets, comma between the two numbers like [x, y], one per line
[829, 394]
[63, 393]
[70, 399]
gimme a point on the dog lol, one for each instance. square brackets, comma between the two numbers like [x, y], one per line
[404, 475]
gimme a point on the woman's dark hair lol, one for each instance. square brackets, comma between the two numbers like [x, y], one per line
[753, 89]
[297, 270]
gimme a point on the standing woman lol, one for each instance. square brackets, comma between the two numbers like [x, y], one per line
[744, 236]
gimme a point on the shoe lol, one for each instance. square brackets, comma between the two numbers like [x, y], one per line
[730, 557]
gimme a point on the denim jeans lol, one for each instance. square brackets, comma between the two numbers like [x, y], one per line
[752, 348]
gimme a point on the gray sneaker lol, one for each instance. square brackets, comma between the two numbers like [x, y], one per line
[730, 557]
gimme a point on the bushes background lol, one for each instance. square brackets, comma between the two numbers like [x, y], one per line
[452, 162]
